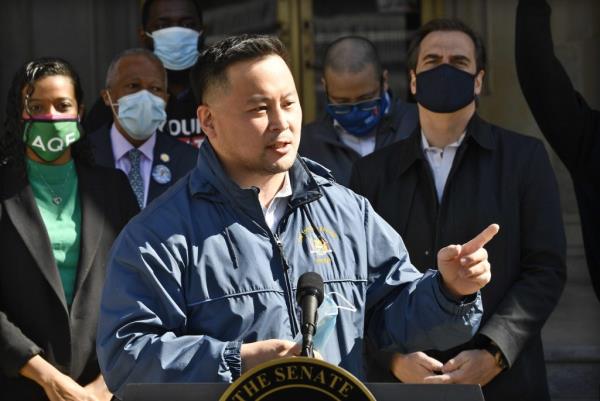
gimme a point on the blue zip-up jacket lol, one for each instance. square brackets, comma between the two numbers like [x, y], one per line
[198, 272]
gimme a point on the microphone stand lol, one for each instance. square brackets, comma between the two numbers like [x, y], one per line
[307, 342]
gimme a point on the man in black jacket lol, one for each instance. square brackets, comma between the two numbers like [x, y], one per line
[361, 115]
[455, 174]
[571, 127]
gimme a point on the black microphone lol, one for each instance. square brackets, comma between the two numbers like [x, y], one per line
[309, 296]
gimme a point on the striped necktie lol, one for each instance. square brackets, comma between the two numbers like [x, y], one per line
[135, 175]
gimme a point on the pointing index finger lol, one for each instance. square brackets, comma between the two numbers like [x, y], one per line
[481, 239]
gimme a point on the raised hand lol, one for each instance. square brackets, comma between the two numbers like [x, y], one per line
[465, 268]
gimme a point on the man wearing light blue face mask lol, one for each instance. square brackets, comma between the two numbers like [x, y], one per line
[361, 115]
[136, 93]
[172, 29]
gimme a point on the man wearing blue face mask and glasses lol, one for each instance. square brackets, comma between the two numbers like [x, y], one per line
[172, 29]
[361, 114]
[136, 93]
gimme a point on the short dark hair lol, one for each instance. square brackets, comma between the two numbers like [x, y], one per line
[148, 3]
[12, 147]
[446, 25]
[352, 54]
[110, 72]
[212, 65]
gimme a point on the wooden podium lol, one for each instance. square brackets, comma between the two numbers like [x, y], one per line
[299, 379]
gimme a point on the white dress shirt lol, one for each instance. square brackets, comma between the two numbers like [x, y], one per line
[440, 161]
[363, 145]
[275, 210]
[120, 148]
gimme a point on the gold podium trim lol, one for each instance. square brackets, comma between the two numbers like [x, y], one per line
[261, 369]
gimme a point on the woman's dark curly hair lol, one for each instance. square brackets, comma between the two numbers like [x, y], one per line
[12, 147]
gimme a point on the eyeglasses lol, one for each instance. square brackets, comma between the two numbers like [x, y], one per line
[345, 108]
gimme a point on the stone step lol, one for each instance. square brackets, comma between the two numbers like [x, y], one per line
[572, 338]
[574, 399]
[574, 380]
[575, 322]
[573, 354]
[577, 272]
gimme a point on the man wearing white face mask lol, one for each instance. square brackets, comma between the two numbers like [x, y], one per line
[136, 93]
[172, 29]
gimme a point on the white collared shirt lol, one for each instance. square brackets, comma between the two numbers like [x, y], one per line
[120, 148]
[275, 210]
[440, 161]
[363, 145]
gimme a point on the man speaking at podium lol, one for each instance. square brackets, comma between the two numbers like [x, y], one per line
[201, 284]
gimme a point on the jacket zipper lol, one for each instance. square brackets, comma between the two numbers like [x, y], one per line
[289, 296]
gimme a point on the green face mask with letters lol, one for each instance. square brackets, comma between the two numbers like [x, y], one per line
[50, 138]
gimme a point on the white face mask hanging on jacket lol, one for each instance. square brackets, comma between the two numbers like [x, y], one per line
[176, 47]
[140, 113]
[327, 315]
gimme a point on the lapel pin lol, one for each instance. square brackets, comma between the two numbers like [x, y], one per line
[161, 174]
[164, 158]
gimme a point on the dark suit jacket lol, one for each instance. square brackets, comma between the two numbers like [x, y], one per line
[320, 141]
[34, 316]
[497, 177]
[182, 157]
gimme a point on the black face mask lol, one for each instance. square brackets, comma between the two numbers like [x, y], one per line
[445, 89]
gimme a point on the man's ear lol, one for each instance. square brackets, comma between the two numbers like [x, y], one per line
[144, 39]
[166, 97]
[479, 82]
[205, 116]
[109, 101]
[105, 98]
[413, 82]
